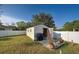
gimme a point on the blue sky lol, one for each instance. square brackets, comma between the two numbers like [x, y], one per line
[61, 13]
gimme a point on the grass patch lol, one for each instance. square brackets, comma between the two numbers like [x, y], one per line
[21, 45]
[24, 45]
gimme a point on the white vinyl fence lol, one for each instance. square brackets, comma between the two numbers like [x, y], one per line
[10, 33]
[67, 35]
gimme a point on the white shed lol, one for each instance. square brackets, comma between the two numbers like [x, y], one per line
[33, 31]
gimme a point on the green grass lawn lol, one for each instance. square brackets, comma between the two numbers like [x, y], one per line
[24, 45]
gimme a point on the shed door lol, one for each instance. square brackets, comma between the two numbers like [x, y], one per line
[45, 32]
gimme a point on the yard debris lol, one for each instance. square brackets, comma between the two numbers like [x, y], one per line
[50, 43]
[61, 40]
[50, 46]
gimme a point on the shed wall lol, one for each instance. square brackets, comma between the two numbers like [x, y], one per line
[30, 32]
[39, 29]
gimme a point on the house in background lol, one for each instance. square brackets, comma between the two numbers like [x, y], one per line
[5, 28]
[38, 32]
[9, 28]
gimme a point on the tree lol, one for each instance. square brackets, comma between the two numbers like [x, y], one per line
[44, 19]
[13, 26]
[0, 15]
[29, 24]
[1, 11]
[75, 24]
[69, 26]
[0, 23]
[21, 25]
[1, 26]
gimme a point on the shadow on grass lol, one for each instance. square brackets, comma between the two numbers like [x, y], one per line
[4, 39]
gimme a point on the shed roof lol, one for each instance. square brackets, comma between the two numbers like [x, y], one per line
[38, 26]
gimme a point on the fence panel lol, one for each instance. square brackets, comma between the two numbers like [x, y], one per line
[68, 35]
[10, 33]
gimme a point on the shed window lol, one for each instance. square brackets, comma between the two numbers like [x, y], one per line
[28, 30]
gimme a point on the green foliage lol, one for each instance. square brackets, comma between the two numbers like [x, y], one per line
[29, 24]
[1, 26]
[12, 26]
[0, 23]
[44, 19]
[21, 25]
[75, 24]
[69, 26]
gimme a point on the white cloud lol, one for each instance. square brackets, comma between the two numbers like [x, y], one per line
[9, 20]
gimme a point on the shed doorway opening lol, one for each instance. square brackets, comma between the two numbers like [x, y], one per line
[45, 32]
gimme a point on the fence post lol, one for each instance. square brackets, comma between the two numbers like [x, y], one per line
[60, 51]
